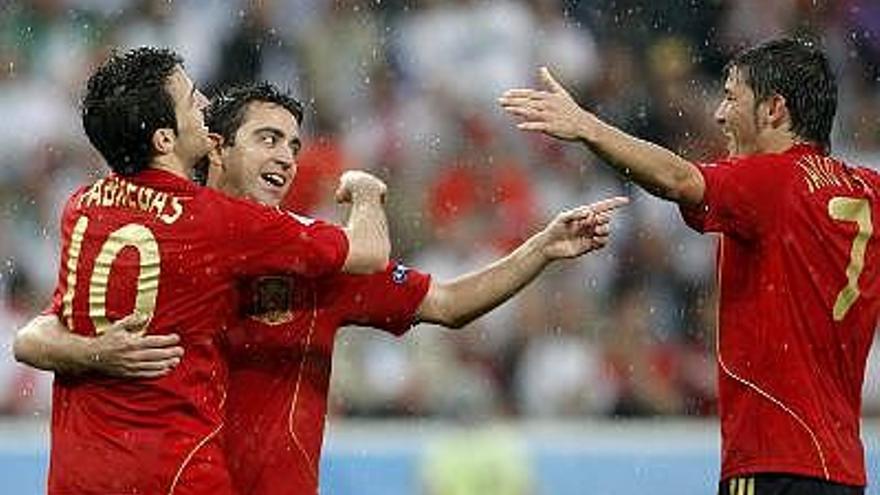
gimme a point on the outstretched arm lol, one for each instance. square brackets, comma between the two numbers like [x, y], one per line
[122, 351]
[554, 112]
[571, 234]
[368, 244]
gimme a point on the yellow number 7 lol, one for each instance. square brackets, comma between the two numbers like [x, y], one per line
[856, 210]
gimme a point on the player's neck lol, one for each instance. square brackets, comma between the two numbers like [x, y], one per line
[776, 141]
[172, 164]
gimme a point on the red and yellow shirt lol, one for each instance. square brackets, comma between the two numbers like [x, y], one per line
[159, 244]
[799, 278]
[280, 362]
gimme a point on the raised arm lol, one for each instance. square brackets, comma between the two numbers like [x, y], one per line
[367, 228]
[554, 112]
[571, 234]
[122, 351]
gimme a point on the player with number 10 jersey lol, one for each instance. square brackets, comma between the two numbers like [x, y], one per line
[158, 244]
[146, 239]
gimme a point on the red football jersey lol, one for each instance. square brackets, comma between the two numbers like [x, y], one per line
[157, 243]
[799, 278]
[280, 360]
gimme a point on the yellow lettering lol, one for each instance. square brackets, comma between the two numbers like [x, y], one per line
[809, 176]
[145, 195]
[158, 203]
[820, 176]
[821, 172]
[92, 197]
[827, 172]
[119, 193]
[177, 206]
[109, 193]
[130, 201]
[119, 200]
[844, 179]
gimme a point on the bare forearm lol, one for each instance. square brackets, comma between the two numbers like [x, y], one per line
[553, 111]
[44, 343]
[655, 168]
[367, 230]
[458, 302]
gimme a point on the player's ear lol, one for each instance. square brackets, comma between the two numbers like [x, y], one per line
[776, 111]
[164, 140]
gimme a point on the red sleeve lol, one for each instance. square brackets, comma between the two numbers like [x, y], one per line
[386, 300]
[739, 197]
[268, 240]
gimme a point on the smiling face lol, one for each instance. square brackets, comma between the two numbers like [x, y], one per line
[260, 164]
[737, 114]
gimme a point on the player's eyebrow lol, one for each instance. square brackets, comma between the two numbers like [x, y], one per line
[270, 130]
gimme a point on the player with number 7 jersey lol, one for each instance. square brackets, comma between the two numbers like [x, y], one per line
[798, 274]
[799, 289]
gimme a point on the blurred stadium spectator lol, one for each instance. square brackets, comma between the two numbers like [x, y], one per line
[407, 89]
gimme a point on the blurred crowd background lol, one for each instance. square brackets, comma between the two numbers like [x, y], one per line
[407, 89]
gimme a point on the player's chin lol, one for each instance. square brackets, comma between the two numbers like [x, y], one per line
[732, 147]
[269, 197]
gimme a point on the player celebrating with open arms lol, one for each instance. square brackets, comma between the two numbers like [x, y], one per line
[798, 262]
[146, 239]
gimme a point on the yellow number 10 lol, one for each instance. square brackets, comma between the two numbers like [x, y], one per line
[859, 211]
[131, 235]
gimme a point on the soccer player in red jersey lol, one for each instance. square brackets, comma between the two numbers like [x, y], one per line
[146, 239]
[277, 399]
[798, 264]
[281, 346]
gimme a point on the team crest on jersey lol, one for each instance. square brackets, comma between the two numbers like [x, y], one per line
[271, 300]
[399, 274]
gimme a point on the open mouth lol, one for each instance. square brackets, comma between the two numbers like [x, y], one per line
[274, 179]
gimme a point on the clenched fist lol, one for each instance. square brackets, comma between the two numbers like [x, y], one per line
[357, 185]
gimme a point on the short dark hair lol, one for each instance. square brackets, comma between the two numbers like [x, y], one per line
[126, 101]
[226, 111]
[801, 73]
